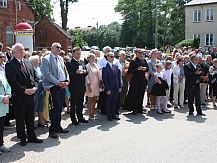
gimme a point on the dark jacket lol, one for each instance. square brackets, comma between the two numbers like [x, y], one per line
[19, 80]
[77, 81]
[138, 76]
[192, 79]
[159, 89]
[111, 80]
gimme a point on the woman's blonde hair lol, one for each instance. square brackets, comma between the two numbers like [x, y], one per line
[90, 56]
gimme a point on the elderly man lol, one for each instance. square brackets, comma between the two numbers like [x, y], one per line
[55, 78]
[22, 79]
[192, 75]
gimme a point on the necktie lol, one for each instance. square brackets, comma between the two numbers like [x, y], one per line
[113, 68]
[23, 68]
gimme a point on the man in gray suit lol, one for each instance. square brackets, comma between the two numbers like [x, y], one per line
[55, 78]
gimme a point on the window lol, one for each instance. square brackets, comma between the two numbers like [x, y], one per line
[197, 16]
[209, 40]
[18, 5]
[209, 14]
[43, 35]
[9, 36]
[196, 36]
[3, 3]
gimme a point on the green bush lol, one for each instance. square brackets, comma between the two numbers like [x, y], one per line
[186, 43]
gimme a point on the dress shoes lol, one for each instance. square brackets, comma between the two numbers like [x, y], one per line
[41, 125]
[75, 123]
[53, 135]
[115, 118]
[62, 131]
[35, 140]
[23, 142]
[83, 121]
[191, 113]
[202, 114]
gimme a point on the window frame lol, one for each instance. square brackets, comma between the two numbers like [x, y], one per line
[4, 4]
[209, 38]
[208, 10]
[197, 15]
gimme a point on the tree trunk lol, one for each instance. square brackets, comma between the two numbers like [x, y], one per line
[64, 13]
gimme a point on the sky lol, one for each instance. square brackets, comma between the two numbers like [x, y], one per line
[87, 12]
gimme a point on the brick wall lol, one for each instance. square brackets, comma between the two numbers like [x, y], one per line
[8, 17]
[53, 35]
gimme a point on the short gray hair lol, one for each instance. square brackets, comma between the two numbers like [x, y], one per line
[15, 46]
[107, 49]
[33, 58]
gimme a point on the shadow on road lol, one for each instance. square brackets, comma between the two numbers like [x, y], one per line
[160, 117]
[197, 119]
[136, 119]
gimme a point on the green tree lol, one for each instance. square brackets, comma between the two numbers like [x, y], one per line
[43, 8]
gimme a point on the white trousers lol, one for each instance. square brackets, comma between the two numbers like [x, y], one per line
[178, 93]
[161, 103]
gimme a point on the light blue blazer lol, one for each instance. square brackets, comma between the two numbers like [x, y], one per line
[49, 71]
[5, 89]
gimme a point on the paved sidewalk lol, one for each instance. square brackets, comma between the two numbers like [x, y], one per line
[147, 138]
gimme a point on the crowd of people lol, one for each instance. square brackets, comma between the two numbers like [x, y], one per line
[42, 83]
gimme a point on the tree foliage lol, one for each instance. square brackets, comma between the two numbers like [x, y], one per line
[104, 36]
[140, 20]
[43, 8]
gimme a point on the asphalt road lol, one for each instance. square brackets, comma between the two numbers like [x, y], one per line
[146, 138]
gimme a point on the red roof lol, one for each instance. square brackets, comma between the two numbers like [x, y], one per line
[24, 26]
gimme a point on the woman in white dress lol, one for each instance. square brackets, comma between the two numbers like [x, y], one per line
[92, 85]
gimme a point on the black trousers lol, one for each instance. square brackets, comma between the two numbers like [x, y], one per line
[2, 121]
[194, 96]
[57, 95]
[101, 103]
[24, 115]
[76, 104]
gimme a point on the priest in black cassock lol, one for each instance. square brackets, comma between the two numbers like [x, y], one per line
[138, 68]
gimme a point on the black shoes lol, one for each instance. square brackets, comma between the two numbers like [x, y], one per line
[53, 135]
[190, 113]
[202, 114]
[35, 140]
[41, 125]
[115, 118]
[75, 123]
[23, 142]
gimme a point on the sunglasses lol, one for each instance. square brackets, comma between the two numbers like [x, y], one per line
[2, 56]
[58, 47]
[112, 56]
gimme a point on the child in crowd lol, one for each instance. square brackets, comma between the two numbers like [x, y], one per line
[167, 73]
[159, 89]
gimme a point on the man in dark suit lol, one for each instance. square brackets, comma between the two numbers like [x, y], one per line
[77, 73]
[134, 99]
[111, 77]
[192, 74]
[22, 78]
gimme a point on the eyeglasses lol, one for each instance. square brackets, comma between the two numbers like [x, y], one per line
[2, 57]
[112, 56]
[58, 47]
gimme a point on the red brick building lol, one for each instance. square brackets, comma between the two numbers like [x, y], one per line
[11, 13]
[47, 32]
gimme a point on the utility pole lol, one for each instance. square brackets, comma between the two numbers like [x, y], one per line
[156, 25]
[97, 32]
